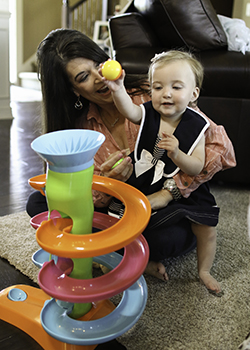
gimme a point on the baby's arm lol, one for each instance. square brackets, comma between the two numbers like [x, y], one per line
[189, 164]
[123, 101]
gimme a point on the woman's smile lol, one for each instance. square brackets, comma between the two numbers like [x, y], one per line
[104, 90]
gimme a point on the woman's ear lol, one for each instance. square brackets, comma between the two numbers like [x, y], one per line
[76, 93]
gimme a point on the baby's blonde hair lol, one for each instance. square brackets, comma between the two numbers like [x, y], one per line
[163, 58]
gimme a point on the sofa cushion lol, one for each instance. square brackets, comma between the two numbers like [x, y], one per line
[136, 32]
[184, 23]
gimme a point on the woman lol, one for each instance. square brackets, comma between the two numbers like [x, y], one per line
[75, 96]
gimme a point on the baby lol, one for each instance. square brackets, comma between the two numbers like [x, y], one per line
[171, 138]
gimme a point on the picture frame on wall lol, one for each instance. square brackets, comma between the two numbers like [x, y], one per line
[101, 32]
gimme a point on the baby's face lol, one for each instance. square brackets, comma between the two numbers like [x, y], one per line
[173, 87]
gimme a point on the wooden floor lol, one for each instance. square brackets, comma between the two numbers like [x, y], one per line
[18, 163]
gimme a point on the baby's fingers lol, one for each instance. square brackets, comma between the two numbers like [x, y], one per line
[165, 134]
[165, 143]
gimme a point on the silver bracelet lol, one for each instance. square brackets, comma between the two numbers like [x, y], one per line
[172, 188]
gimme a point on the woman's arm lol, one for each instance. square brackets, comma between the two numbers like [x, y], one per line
[159, 199]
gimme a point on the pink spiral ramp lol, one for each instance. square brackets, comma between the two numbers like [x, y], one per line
[39, 218]
[57, 284]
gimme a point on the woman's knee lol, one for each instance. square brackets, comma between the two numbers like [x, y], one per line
[169, 242]
[36, 204]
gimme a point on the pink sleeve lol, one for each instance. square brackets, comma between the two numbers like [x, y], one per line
[219, 156]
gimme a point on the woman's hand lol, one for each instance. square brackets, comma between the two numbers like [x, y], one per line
[122, 171]
[160, 199]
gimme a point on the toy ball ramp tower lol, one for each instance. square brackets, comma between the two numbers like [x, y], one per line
[72, 309]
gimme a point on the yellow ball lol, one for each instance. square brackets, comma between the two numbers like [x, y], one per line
[111, 70]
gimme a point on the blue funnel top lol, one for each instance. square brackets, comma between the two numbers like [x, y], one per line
[68, 151]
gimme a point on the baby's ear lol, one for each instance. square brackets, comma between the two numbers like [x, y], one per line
[196, 93]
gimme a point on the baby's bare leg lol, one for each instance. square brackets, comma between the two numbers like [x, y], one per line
[206, 247]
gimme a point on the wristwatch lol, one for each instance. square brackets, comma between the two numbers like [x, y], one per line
[171, 186]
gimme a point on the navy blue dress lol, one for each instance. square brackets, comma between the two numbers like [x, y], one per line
[169, 231]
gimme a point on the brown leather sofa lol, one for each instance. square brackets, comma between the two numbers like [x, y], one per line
[153, 26]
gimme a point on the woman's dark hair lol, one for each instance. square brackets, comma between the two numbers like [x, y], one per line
[53, 55]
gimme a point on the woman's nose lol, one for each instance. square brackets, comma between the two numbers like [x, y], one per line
[97, 76]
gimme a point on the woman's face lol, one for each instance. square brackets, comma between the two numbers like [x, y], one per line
[87, 82]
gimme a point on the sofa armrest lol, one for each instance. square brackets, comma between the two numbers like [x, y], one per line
[131, 30]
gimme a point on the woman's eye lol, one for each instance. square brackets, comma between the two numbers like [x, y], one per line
[82, 78]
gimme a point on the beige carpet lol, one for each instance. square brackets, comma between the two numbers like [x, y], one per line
[180, 314]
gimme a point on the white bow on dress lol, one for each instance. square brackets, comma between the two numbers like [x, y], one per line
[146, 162]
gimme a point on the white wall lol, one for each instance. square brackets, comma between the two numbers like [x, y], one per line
[5, 110]
[16, 40]
[242, 10]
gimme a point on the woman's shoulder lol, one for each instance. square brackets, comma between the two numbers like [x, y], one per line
[139, 99]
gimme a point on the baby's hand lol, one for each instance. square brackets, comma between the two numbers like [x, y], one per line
[113, 85]
[170, 143]
[111, 69]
